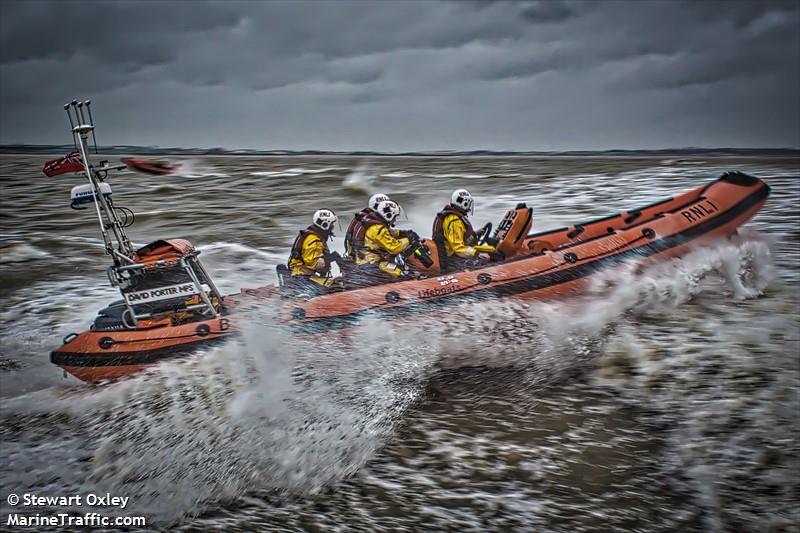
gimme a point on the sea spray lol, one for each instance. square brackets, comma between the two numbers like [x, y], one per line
[361, 179]
[275, 413]
[539, 333]
[267, 411]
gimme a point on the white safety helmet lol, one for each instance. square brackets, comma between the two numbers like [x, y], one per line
[388, 211]
[463, 200]
[325, 219]
[375, 199]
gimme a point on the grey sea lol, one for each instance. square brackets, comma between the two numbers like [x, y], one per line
[664, 399]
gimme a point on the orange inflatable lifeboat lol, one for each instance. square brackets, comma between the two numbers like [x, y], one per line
[149, 166]
[171, 306]
[555, 263]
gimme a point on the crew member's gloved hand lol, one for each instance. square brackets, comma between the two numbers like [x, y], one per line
[483, 256]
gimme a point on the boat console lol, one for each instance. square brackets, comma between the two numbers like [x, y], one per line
[512, 230]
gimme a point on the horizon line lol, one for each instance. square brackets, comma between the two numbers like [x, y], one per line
[256, 151]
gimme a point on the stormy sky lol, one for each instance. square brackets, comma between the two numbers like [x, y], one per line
[405, 75]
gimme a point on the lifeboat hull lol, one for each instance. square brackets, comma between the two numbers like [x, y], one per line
[103, 355]
[551, 264]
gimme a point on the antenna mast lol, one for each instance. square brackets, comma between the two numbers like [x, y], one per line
[119, 246]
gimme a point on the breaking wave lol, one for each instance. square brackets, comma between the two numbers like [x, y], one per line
[21, 253]
[361, 179]
[295, 172]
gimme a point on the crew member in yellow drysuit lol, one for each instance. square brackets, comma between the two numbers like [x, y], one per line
[354, 237]
[383, 244]
[456, 240]
[309, 262]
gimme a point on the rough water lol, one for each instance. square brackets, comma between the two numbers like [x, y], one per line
[665, 399]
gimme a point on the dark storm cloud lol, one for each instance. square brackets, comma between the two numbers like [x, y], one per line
[407, 75]
[740, 12]
[547, 11]
[666, 45]
[123, 31]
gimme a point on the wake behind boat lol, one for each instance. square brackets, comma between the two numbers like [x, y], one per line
[170, 304]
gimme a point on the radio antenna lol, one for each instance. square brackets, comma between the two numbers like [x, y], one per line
[71, 125]
[80, 108]
[74, 105]
[88, 103]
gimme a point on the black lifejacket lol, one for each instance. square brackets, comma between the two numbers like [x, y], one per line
[470, 238]
[297, 246]
[354, 238]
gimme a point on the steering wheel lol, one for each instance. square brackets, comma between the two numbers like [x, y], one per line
[487, 231]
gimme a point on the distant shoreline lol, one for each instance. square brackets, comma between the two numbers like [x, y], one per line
[678, 154]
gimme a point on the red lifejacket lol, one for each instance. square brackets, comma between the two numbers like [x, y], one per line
[297, 246]
[470, 238]
[354, 238]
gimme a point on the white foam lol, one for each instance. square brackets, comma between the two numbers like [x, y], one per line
[264, 412]
[360, 179]
[275, 174]
[400, 174]
[295, 172]
[21, 253]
